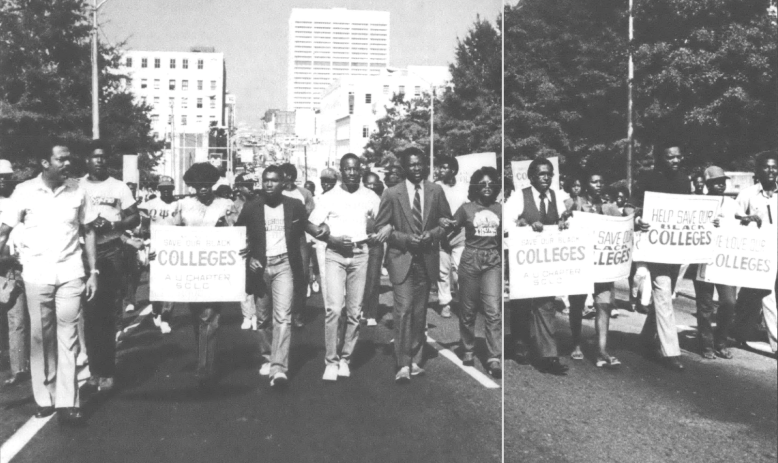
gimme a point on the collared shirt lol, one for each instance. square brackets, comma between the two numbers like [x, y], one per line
[514, 207]
[48, 243]
[754, 201]
[347, 213]
[108, 198]
[412, 193]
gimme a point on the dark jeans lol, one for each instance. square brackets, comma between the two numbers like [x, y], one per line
[205, 321]
[373, 281]
[131, 272]
[102, 315]
[704, 295]
[480, 284]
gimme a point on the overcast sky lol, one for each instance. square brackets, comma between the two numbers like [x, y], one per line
[252, 34]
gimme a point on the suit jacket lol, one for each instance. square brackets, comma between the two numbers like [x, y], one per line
[396, 210]
[252, 216]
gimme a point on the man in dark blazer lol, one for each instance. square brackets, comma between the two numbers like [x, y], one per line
[275, 225]
[413, 208]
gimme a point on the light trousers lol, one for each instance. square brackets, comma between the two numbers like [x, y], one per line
[480, 277]
[346, 276]
[274, 314]
[660, 322]
[449, 271]
[18, 338]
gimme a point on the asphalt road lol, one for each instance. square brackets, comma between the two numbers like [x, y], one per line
[156, 414]
[714, 411]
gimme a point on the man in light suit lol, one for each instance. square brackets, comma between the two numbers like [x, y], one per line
[413, 208]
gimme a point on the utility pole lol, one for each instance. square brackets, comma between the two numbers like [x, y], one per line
[432, 132]
[630, 78]
[95, 85]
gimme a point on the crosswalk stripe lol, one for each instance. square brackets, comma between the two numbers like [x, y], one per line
[472, 371]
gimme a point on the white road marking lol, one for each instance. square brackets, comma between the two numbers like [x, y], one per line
[16, 443]
[472, 371]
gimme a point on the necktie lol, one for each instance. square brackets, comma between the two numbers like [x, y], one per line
[417, 211]
[542, 208]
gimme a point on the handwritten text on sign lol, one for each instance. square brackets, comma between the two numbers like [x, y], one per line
[550, 263]
[612, 247]
[743, 256]
[681, 228]
[198, 264]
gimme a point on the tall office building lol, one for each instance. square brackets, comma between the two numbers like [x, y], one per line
[327, 44]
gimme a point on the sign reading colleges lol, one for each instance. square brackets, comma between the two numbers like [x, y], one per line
[198, 264]
[612, 248]
[742, 256]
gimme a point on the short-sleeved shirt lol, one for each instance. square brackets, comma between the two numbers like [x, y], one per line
[482, 225]
[456, 196]
[50, 221]
[162, 213]
[347, 213]
[108, 198]
[275, 231]
[196, 214]
[754, 200]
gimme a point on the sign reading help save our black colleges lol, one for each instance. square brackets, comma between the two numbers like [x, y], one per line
[681, 229]
[742, 256]
[550, 263]
[198, 264]
[612, 247]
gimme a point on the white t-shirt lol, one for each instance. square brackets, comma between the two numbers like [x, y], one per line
[275, 237]
[196, 214]
[108, 199]
[162, 213]
[456, 197]
[346, 213]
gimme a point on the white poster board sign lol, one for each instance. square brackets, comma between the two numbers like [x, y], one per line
[681, 229]
[198, 264]
[742, 256]
[468, 164]
[612, 244]
[520, 169]
[130, 168]
[550, 263]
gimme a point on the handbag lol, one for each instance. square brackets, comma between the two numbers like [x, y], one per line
[10, 288]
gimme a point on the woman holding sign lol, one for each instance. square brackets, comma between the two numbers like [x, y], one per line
[604, 293]
[480, 268]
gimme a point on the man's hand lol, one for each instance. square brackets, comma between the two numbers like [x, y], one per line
[537, 227]
[426, 238]
[382, 235]
[415, 243]
[91, 287]
[446, 223]
[340, 242]
[751, 218]
[136, 243]
[642, 226]
[717, 222]
[564, 225]
[324, 232]
[244, 252]
[255, 265]
[101, 225]
[521, 222]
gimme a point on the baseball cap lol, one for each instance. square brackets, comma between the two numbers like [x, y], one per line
[329, 173]
[5, 167]
[714, 173]
[165, 181]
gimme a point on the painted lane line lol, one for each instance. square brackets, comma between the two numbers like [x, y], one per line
[472, 371]
[16, 443]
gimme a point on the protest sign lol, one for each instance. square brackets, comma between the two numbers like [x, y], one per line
[681, 228]
[612, 244]
[198, 264]
[468, 164]
[550, 263]
[521, 179]
[742, 256]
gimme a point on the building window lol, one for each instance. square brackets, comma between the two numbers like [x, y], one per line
[199, 85]
[365, 131]
[128, 62]
[199, 118]
[154, 118]
[368, 98]
[144, 83]
[185, 63]
[213, 103]
[199, 103]
[172, 84]
[156, 84]
[171, 101]
[155, 135]
[213, 85]
[157, 63]
[417, 91]
[213, 117]
[386, 89]
[184, 85]
[183, 119]
[402, 90]
[156, 101]
[199, 64]
[351, 102]
[172, 63]
[144, 62]
[184, 102]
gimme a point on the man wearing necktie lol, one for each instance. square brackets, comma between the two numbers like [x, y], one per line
[413, 208]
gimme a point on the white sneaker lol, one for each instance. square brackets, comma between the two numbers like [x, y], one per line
[615, 313]
[264, 370]
[157, 319]
[278, 380]
[308, 291]
[384, 272]
[371, 322]
[129, 308]
[254, 323]
[315, 286]
[330, 373]
[246, 325]
[343, 369]
[164, 327]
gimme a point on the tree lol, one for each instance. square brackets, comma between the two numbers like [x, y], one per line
[406, 124]
[45, 86]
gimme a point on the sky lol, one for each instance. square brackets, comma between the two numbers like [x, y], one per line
[253, 36]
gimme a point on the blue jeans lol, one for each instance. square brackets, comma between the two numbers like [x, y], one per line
[480, 281]
[274, 313]
[205, 320]
[345, 280]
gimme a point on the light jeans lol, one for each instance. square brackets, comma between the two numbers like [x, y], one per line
[661, 320]
[449, 271]
[18, 345]
[247, 306]
[345, 281]
[274, 313]
[481, 287]
[54, 345]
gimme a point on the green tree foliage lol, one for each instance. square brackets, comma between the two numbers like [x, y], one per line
[45, 86]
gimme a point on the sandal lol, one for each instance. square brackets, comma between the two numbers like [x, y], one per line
[607, 362]
[724, 353]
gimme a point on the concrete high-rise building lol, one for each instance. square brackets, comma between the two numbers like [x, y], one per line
[325, 44]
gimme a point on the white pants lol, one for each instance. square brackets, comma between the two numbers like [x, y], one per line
[641, 284]
[449, 266]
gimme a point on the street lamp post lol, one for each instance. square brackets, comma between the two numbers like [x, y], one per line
[630, 78]
[95, 86]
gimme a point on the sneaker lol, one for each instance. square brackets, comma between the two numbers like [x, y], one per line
[264, 370]
[343, 369]
[330, 373]
[308, 291]
[416, 370]
[130, 308]
[157, 319]
[105, 384]
[445, 312]
[246, 325]
[254, 323]
[615, 313]
[384, 272]
[371, 322]
[164, 327]
[278, 380]
[315, 287]
[403, 376]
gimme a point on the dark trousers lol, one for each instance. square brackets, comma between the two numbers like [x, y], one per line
[748, 314]
[704, 296]
[101, 313]
[410, 314]
[480, 285]
[205, 321]
[532, 326]
[132, 273]
[301, 290]
[375, 260]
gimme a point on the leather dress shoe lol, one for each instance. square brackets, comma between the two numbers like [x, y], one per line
[468, 359]
[521, 354]
[673, 363]
[552, 365]
[43, 412]
[71, 417]
[494, 368]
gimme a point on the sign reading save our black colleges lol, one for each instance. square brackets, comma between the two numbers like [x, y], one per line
[612, 247]
[681, 229]
[198, 264]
